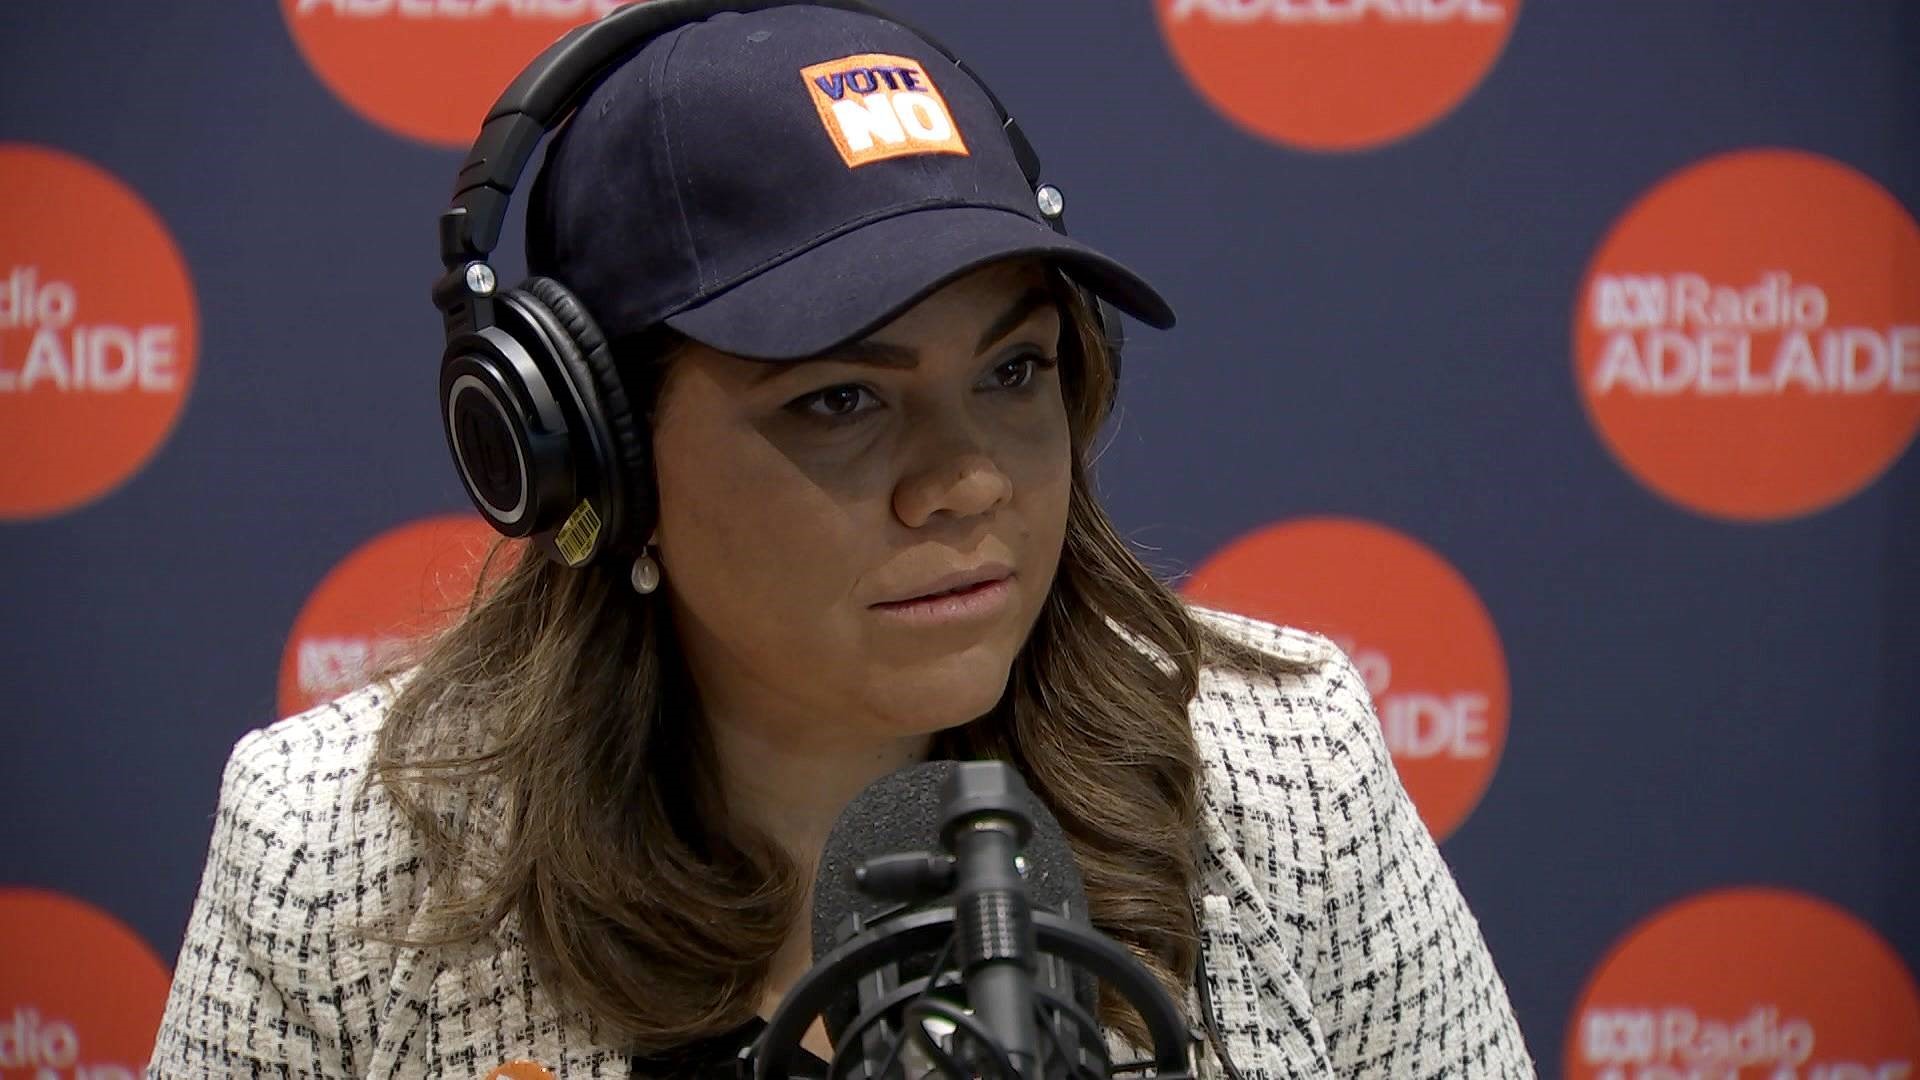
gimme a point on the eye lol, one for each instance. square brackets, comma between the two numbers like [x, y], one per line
[1018, 372]
[835, 402]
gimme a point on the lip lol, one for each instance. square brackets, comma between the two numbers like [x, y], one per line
[964, 595]
[958, 580]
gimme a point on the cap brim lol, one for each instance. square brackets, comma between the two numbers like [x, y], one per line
[855, 283]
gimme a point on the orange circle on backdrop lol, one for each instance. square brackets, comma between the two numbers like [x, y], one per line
[1336, 74]
[428, 69]
[1745, 983]
[98, 332]
[1412, 625]
[377, 604]
[79, 991]
[1747, 338]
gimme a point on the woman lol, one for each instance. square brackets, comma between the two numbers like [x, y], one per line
[581, 832]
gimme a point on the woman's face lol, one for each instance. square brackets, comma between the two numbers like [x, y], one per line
[816, 516]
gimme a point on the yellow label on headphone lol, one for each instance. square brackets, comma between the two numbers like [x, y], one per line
[577, 537]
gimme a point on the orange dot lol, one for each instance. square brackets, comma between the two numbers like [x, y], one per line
[378, 603]
[80, 993]
[1412, 625]
[1336, 74]
[1747, 982]
[521, 1069]
[428, 69]
[1747, 338]
[98, 332]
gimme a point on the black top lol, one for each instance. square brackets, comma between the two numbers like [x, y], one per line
[719, 1056]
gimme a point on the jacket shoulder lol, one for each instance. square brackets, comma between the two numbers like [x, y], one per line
[313, 785]
[310, 760]
[328, 841]
[1306, 710]
[302, 786]
[1329, 886]
[306, 857]
[1282, 642]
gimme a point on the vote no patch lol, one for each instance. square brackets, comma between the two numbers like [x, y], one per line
[876, 106]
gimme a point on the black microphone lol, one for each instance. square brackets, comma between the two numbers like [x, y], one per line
[986, 825]
[971, 838]
[951, 938]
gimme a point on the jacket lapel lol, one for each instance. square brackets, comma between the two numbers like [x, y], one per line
[485, 1011]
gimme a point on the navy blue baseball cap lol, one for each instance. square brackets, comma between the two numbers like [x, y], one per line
[776, 183]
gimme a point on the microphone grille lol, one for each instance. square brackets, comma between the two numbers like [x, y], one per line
[902, 812]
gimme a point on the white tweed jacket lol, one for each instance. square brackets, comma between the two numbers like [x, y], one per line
[1336, 943]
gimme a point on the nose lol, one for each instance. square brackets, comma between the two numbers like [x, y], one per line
[955, 477]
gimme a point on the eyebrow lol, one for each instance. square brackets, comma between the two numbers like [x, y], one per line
[883, 354]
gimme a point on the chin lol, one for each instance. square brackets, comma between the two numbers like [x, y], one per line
[953, 693]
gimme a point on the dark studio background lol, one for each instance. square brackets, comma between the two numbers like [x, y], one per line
[1382, 334]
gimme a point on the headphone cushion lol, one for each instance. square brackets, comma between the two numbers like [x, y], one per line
[632, 446]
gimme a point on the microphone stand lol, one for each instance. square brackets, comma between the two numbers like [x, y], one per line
[986, 826]
[997, 940]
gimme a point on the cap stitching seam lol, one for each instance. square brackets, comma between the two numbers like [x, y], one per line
[666, 137]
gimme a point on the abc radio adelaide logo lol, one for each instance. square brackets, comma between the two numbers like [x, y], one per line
[80, 994]
[428, 69]
[375, 608]
[1336, 74]
[97, 332]
[376, 605]
[1747, 340]
[1414, 628]
[1749, 982]
[381, 602]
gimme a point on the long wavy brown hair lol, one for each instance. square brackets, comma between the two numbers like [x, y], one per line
[560, 701]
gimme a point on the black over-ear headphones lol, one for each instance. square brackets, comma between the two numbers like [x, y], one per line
[539, 421]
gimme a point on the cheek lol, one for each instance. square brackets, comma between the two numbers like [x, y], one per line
[763, 548]
[743, 536]
[1039, 462]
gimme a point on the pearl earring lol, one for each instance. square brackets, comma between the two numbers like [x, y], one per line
[646, 573]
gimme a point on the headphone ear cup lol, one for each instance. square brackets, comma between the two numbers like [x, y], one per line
[628, 476]
[513, 439]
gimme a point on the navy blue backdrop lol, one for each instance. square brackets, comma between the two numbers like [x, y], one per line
[1382, 334]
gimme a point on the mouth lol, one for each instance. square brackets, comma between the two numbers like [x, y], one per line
[964, 583]
[968, 599]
